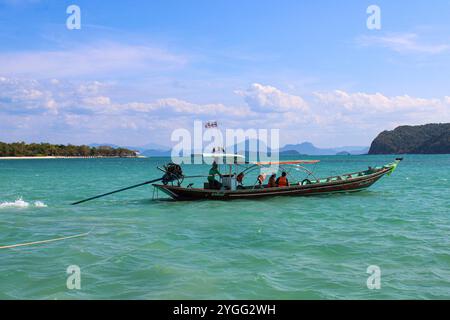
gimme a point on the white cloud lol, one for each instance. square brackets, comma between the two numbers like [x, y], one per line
[377, 102]
[41, 96]
[368, 114]
[181, 106]
[171, 106]
[270, 99]
[86, 88]
[88, 60]
[404, 43]
[97, 101]
[25, 96]
[447, 100]
[87, 112]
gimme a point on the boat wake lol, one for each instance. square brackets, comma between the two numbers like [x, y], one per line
[20, 203]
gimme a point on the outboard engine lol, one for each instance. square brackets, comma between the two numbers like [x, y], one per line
[172, 172]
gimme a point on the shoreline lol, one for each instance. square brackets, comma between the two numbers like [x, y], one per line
[61, 157]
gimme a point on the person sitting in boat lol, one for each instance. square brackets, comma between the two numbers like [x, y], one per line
[272, 181]
[213, 183]
[240, 178]
[283, 180]
[261, 179]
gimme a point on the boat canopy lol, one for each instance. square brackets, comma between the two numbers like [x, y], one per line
[268, 163]
[226, 157]
[237, 158]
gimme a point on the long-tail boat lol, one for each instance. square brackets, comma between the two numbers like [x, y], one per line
[232, 186]
[231, 189]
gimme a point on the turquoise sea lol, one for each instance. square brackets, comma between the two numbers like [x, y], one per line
[278, 248]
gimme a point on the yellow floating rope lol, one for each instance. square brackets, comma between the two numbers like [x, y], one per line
[45, 241]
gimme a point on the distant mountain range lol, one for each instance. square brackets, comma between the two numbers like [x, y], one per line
[431, 138]
[305, 148]
[308, 148]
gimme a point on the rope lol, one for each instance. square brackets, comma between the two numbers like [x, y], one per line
[45, 241]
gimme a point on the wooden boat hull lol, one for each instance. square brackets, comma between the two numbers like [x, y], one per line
[343, 186]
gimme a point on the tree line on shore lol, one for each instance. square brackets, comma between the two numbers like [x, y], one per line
[22, 149]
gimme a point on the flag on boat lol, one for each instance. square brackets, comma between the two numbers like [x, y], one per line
[211, 124]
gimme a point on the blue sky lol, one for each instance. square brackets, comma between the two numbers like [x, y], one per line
[137, 70]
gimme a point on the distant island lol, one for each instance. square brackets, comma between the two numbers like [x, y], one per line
[425, 139]
[21, 149]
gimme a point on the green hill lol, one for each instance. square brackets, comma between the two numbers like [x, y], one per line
[425, 139]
